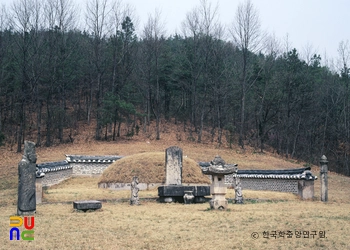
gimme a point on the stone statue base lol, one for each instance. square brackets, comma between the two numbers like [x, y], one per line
[21, 213]
[218, 204]
[218, 201]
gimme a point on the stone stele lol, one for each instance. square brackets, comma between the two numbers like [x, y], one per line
[26, 204]
[173, 166]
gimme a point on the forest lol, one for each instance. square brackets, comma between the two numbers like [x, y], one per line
[237, 82]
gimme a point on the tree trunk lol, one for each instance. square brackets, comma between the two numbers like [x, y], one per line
[296, 137]
[241, 130]
[201, 125]
[39, 109]
[48, 124]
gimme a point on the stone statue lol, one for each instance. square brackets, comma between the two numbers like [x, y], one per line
[134, 199]
[26, 204]
[238, 191]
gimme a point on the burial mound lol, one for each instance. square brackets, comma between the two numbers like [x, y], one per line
[150, 168]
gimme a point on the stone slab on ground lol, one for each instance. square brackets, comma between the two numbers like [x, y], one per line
[87, 204]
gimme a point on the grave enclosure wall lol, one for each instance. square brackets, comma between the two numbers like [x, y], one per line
[299, 184]
[88, 169]
[56, 172]
[55, 177]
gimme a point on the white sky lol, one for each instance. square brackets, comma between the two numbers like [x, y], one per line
[321, 24]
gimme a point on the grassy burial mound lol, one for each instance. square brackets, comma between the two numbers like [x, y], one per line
[150, 168]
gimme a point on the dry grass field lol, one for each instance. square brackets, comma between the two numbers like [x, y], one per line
[175, 226]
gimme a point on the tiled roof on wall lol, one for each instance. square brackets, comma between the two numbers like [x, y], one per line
[89, 158]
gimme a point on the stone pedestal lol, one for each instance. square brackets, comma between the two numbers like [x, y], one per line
[176, 193]
[38, 190]
[218, 191]
[306, 189]
[218, 202]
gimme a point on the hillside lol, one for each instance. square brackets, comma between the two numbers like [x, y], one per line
[144, 142]
[192, 225]
[85, 144]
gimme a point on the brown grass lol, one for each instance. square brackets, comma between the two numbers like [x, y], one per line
[176, 226]
[149, 167]
[173, 226]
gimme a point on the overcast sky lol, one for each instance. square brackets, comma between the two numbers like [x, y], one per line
[320, 24]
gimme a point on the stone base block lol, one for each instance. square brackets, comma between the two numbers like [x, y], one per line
[24, 213]
[306, 189]
[38, 190]
[218, 204]
[179, 190]
[175, 193]
[86, 205]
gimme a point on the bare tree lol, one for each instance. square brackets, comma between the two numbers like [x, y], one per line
[3, 48]
[27, 22]
[203, 28]
[272, 46]
[97, 12]
[60, 17]
[309, 53]
[153, 38]
[61, 14]
[4, 19]
[247, 35]
[120, 13]
[344, 54]
[122, 44]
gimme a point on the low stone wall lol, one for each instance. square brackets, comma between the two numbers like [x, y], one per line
[303, 188]
[74, 165]
[55, 177]
[281, 185]
[88, 169]
[90, 165]
[55, 172]
[301, 184]
[127, 186]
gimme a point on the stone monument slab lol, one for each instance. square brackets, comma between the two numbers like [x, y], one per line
[173, 166]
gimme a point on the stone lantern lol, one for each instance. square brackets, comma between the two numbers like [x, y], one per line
[218, 169]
